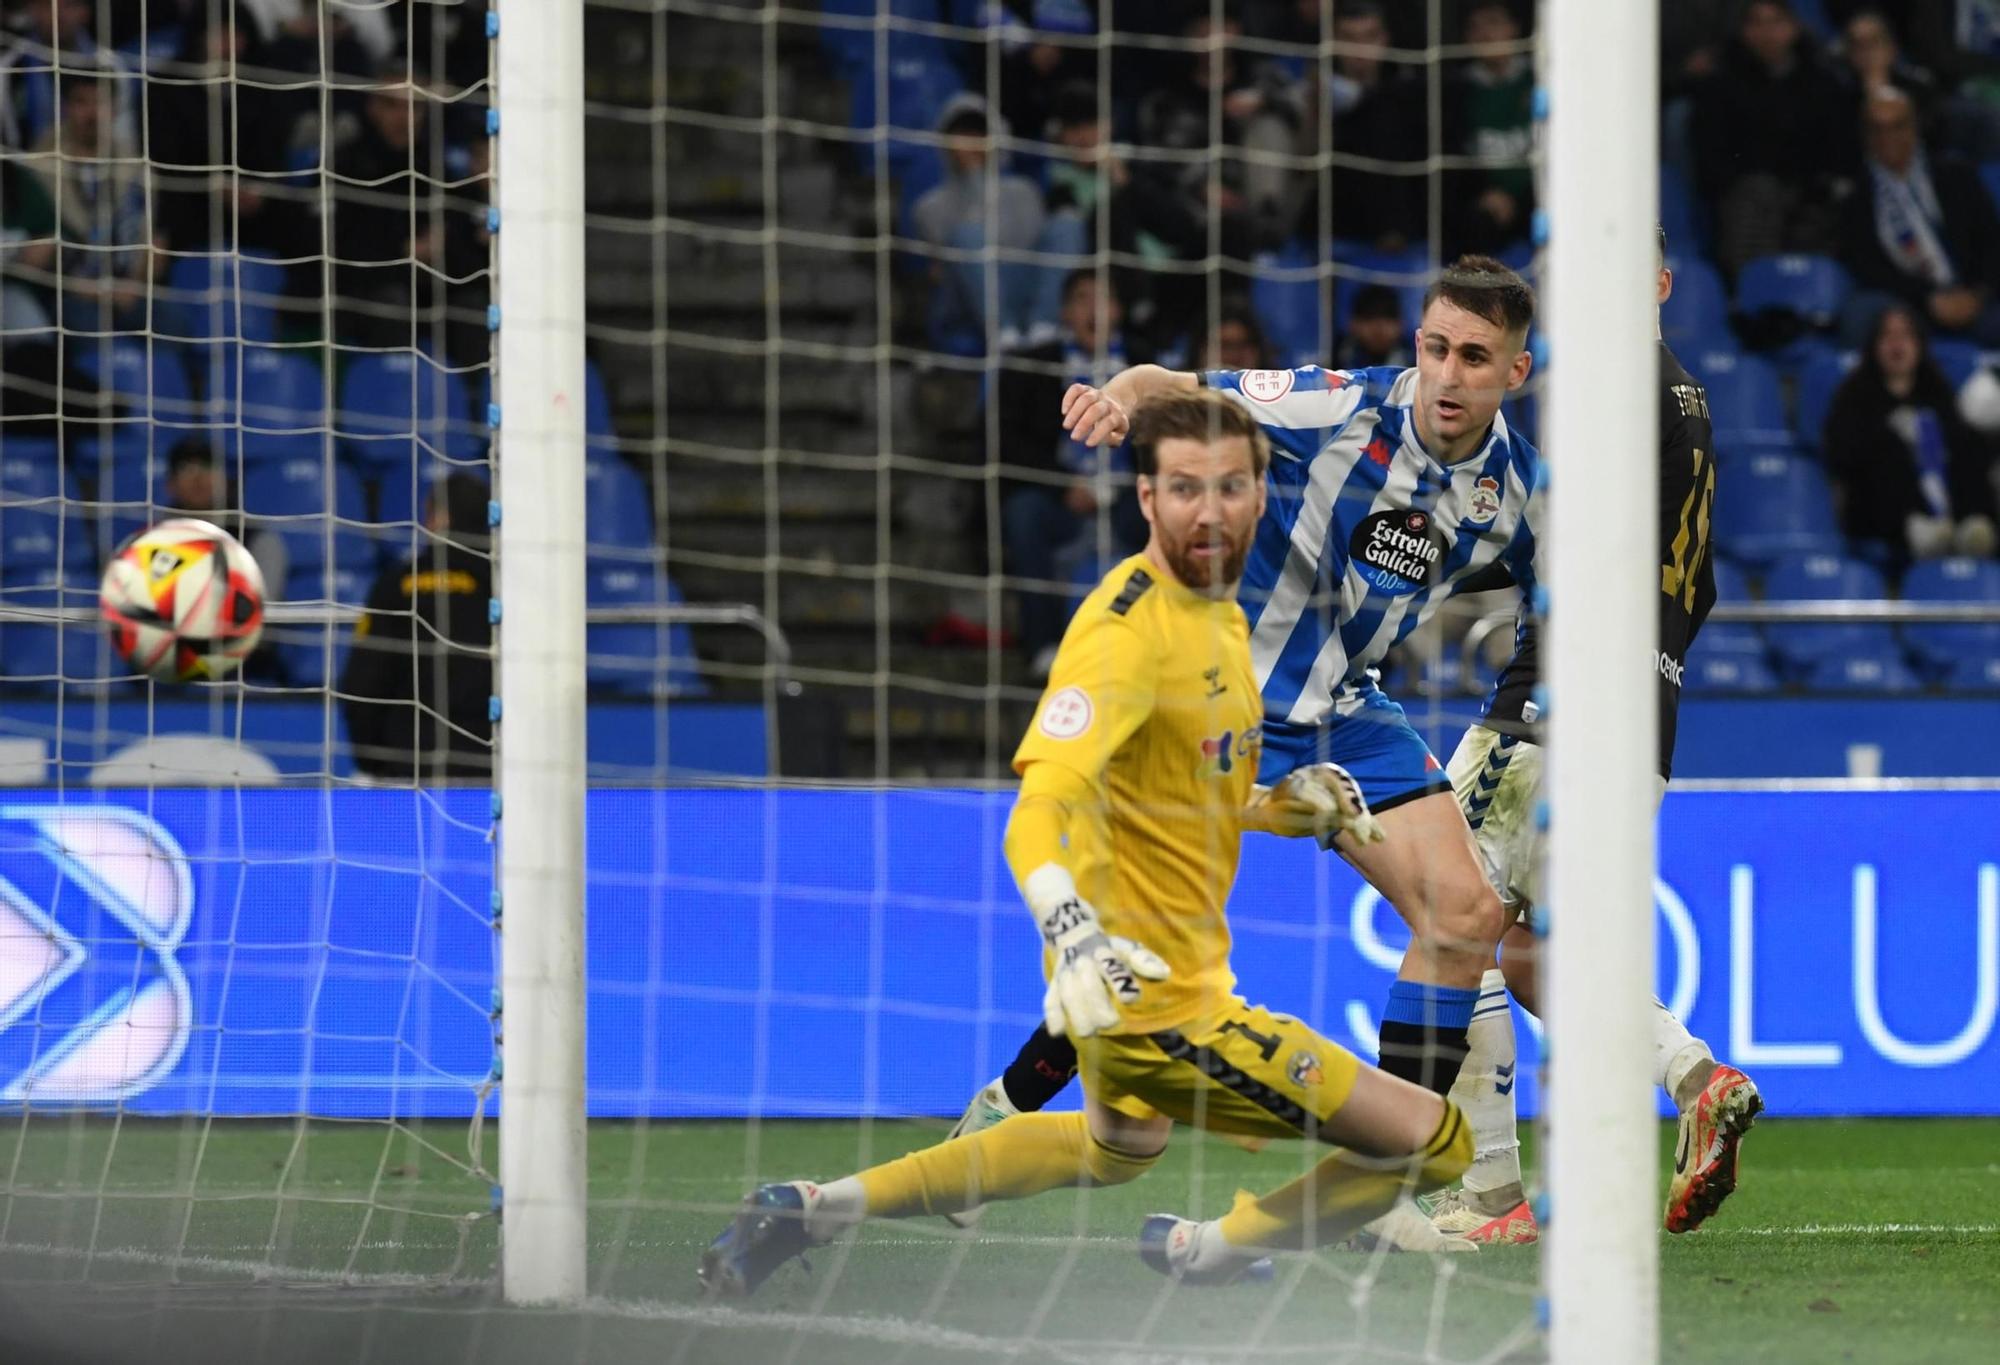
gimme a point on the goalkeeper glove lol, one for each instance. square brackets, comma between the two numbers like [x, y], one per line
[1323, 801]
[1094, 972]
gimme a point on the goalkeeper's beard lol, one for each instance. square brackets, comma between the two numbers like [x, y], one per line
[1215, 573]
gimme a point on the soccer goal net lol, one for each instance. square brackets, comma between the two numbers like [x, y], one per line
[841, 261]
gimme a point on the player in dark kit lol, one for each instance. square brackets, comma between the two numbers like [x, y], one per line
[1497, 775]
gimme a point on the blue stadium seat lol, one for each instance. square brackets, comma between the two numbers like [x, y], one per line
[1959, 359]
[1819, 379]
[1777, 505]
[852, 48]
[1989, 176]
[37, 534]
[1809, 287]
[220, 297]
[618, 507]
[1880, 668]
[1954, 651]
[300, 500]
[30, 467]
[1289, 309]
[152, 384]
[1732, 639]
[311, 655]
[396, 404]
[638, 659]
[1819, 578]
[1712, 672]
[282, 408]
[48, 654]
[1697, 313]
[1974, 673]
[1409, 269]
[1746, 401]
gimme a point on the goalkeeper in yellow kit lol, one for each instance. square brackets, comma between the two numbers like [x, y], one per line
[1136, 784]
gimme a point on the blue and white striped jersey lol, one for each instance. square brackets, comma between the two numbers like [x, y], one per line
[1365, 532]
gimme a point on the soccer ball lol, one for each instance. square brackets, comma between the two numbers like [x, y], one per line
[183, 600]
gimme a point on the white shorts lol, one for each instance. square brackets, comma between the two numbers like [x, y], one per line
[1498, 782]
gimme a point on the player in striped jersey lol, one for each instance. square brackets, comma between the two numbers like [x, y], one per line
[1497, 771]
[1389, 491]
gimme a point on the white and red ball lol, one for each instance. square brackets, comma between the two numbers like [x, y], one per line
[183, 601]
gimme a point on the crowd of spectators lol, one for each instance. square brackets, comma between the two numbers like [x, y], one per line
[244, 264]
[1203, 167]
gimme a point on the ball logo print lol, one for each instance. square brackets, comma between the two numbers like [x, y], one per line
[1067, 714]
[94, 903]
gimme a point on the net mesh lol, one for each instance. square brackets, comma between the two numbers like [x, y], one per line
[831, 529]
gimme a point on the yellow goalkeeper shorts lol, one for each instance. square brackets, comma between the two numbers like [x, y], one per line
[1244, 1072]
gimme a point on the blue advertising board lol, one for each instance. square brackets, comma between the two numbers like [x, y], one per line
[802, 952]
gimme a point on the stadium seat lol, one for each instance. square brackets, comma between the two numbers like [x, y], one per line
[30, 467]
[72, 653]
[1989, 176]
[282, 408]
[43, 533]
[1715, 672]
[1959, 359]
[1777, 505]
[1878, 669]
[1409, 271]
[311, 654]
[1810, 288]
[638, 659]
[1745, 401]
[296, 498]
[1954, 651]
[395, 404]
[1802, 647]
[152, 386]
[1697, 313]
[202, 303]
[1290, 308]
[618, 507]
[1973, 674]
[1732, 639]
[1819, 379]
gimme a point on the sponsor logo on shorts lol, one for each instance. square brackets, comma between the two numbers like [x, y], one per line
[1398, 551]
[1304, 1070]
[1265, 386]
[1066, 714]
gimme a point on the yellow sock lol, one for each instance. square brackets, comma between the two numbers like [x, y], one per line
[1346, 1190]
[1024, 1155]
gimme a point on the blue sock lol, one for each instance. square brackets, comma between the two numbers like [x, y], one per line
[1423, 1033]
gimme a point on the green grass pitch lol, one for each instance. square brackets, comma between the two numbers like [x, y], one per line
[1849, 1241]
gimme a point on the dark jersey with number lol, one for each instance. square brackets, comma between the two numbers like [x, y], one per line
[1687, 572]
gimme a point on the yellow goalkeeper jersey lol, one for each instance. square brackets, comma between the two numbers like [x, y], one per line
[1153, 702]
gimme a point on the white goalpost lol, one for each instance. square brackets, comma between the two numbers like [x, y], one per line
[540, 386]
[1601, 1264]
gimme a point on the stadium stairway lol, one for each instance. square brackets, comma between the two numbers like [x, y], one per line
[763, 467]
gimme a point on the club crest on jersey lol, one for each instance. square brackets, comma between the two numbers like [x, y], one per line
[1266, 386]
[1304, 1070]
[1484, 504]
[1398, 551]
